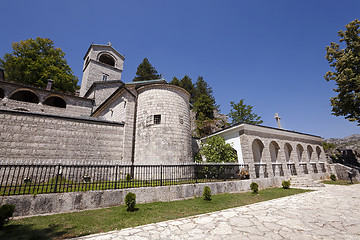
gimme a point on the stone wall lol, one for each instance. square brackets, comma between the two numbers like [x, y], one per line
[341, 171]
[26, 137]
[26, 205]
[169, 141]
[122, 109]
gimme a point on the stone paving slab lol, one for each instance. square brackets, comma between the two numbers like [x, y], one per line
[330, 212]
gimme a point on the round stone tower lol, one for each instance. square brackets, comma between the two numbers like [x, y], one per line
[163, 125]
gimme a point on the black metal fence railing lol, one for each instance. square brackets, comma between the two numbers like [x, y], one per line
[17, 179]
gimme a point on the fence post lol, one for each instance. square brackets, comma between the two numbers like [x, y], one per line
[161, 174]
[57, 176]
[116, 176]
[196, 172]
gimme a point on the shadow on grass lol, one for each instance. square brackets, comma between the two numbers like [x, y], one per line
[28, 232]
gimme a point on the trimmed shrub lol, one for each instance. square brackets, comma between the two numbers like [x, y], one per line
[286, 184]
[254, 187]
[130, 201]
[6, 212]
[207, 193]
[333, 177]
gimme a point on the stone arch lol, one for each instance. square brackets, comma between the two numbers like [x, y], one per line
[55, 101]
[318, 153]
[309, 150]
[257, 149]
[107, 59]
[288, 150]
[2, 94]
[274, 151]
[25, 95]
[299, 151]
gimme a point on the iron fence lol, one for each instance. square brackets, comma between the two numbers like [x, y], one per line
[17, 179]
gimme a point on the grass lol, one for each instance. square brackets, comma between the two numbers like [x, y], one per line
[76, 224]
[339, 182]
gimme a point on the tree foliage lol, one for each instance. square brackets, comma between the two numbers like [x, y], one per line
[215, 150]
[241, 112]
[34, 61]
[145, 71]
[346, 74]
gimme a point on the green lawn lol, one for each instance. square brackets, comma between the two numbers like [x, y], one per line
[339, 182]
[94, 221]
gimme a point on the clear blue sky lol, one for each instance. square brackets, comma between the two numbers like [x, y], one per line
[271, 53]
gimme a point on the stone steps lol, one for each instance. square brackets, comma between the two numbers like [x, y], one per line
[304, 182]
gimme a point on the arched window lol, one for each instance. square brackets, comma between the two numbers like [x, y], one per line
[299, 151]
[107, 59]
[55, 102]
[274, 150]
[318, 152]
[2, 93]
[309, 152]
[257, 149]
[25, 96]
[287, 149]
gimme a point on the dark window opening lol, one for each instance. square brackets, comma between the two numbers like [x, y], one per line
[2, 93]
[25, 96]
[107, 60]
[157, 119]
[55, 102]
[105, 77]
[21, 109]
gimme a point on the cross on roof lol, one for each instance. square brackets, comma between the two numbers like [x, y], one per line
[277, 118]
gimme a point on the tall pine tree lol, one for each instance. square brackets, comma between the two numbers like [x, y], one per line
[145, 71]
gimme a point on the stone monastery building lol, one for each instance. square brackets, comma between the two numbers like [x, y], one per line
[145, 122]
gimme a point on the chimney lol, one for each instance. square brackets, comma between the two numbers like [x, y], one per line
[49, 84]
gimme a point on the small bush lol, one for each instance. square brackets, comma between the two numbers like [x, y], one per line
[333, 177]
[207, 193]
[128, 177]
[130, 201]
[6, 212]
[254, 187]
[285, 184]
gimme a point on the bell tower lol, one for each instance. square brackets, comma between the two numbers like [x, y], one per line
[101, 63]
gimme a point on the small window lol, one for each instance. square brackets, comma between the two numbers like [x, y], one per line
[157, 119]
[105, 77]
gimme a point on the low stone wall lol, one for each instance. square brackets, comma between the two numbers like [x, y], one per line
[26, 205]
[340, 171]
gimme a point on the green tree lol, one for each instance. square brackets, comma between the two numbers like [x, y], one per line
[346, 74]
[215, 150]
[34, 61]
[241, 112]
[145, 71]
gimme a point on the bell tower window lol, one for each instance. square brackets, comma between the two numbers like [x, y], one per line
[107, 59]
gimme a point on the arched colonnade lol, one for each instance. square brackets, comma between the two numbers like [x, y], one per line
[31, 96]
[273, 157]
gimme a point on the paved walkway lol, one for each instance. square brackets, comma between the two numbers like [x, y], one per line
[331, 212]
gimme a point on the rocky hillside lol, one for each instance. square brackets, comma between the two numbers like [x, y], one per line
[350, 142]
